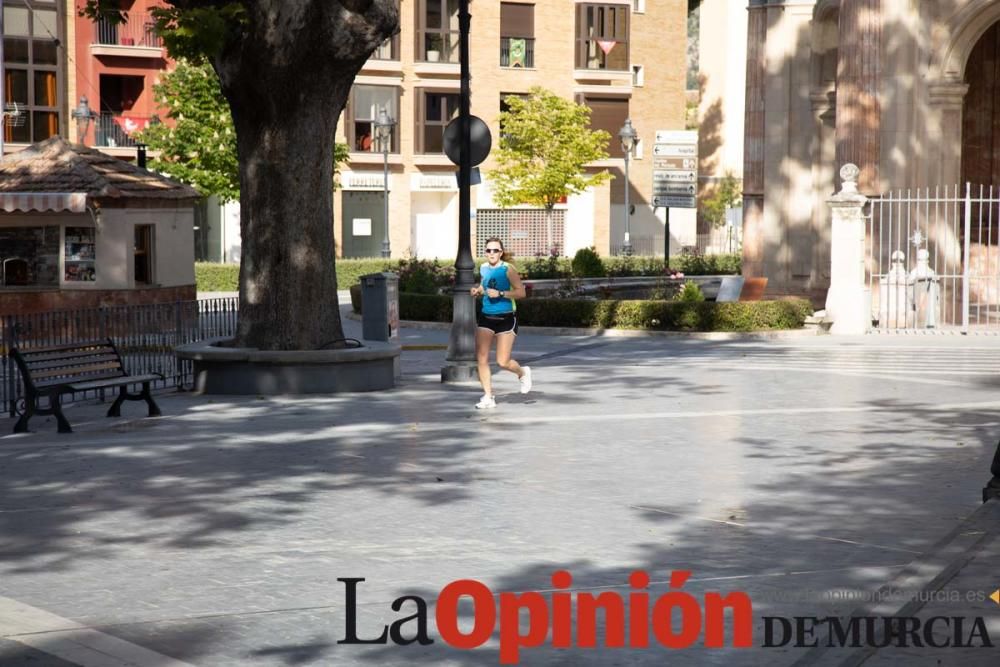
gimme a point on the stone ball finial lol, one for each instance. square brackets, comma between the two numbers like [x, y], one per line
[898, 256]
[849, 173]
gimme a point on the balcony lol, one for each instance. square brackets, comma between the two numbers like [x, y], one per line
[136, 38]
[116, 130]
[517, 52]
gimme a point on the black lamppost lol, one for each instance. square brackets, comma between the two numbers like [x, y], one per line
[83, 115]
[461, 354]
[628, 135]
[383, 133]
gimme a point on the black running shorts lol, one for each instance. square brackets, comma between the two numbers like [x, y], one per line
[499, 324]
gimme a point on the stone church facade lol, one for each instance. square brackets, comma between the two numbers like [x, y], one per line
[907, 90]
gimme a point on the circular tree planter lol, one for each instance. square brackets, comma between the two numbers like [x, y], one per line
[245, 370]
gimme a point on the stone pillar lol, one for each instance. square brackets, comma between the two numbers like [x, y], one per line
[753, 144]
[946, 97]
[859, 72]
[848, 300]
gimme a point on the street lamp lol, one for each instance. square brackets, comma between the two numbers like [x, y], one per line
[628, 135]
[83, 115]
[383, 133]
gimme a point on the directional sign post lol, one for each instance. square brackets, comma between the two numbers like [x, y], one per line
[675, 175]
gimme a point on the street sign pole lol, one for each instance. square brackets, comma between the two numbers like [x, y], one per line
[666, 240]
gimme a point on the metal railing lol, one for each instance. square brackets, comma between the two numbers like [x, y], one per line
[146, 336]
[111, 134]
[646, 246]
[933, 259]
[528, 58]
[138, 30]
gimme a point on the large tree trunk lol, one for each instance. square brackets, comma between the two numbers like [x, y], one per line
[287, 78]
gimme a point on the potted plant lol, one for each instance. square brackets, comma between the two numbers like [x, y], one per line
[434, 44]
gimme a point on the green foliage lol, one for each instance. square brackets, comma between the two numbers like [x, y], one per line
[539, 268]
[199, 145]
[544, 143]
[211, 277]
[728, 194]
[587, 264]
[424, 276]
[610, 314]
[690, 293]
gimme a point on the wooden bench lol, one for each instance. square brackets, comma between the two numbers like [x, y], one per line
[75, 367]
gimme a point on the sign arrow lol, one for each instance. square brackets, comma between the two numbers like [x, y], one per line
[996, 596]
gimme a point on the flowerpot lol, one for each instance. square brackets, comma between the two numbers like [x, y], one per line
[433, 56]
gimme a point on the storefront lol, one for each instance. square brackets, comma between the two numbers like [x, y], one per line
[81, 229]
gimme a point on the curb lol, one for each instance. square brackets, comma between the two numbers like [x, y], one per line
[929, 573]
[624, 333]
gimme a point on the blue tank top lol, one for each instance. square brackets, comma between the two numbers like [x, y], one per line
[496, 278]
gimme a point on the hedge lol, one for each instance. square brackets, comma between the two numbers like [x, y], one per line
[225, 277]
[610, 314]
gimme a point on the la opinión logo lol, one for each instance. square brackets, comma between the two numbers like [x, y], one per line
[676, 620]
[553, 615]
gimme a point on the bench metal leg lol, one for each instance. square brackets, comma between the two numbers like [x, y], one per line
[29, 409]
[64, 426]
[116, 408]
[154, 409]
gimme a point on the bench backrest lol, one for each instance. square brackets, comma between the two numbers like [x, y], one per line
[44, 367]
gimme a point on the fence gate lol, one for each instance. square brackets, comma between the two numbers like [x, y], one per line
[932, 260]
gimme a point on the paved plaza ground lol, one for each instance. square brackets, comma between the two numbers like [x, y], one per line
[788, 468]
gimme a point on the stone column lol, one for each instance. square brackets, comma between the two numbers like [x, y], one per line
[848, 300]
[753, 144]
[946, 97]
[858, 79]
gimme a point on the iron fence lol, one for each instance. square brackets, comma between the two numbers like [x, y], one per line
[146, 336]
[933, 259]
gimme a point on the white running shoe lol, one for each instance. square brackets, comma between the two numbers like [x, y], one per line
[525, 380]
[486, 402]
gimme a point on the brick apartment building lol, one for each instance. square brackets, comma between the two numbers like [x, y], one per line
[623, 58]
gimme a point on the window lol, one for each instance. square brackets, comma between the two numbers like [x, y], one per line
[638, 76]
[389, 49]
[436, 111]
[29, 256]
[639, 6]
[362, 112]
[143, 270]
[608, 114]
[517, 35]
[31, 69]
[602, 37]
[79, 262]
[437, 31]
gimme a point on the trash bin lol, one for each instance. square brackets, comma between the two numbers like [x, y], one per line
[380, 306]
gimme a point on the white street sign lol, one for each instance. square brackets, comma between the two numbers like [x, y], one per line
[675, 176]
[674, 202]
[675, 163]
[673, 189]
[676, 150]
[676, 137]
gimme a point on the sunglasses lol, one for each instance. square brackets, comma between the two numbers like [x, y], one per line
[493, 250]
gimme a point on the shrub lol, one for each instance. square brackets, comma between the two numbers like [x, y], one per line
[690, 293]
[423, 276]
[651, 315]
[211, 277]
[540, 268]
[587, 264]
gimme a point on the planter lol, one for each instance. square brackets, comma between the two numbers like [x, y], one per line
[433, 56]
[238, 370]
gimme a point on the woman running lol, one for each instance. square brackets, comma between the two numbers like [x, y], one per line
[499, 285]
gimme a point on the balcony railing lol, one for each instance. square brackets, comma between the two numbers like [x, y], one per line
[517, 52]
[116, 130]
[138, 30]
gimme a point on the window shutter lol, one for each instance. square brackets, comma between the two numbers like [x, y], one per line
[517, 20]
[609, 114]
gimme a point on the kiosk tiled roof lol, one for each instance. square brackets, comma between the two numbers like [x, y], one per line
[56, 166]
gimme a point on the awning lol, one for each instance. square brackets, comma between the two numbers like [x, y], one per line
[75, 202]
